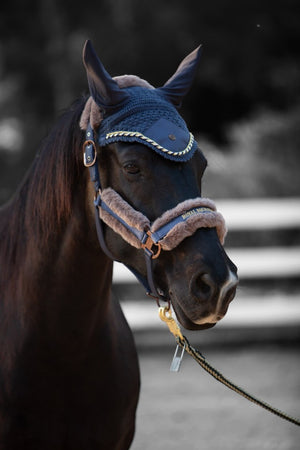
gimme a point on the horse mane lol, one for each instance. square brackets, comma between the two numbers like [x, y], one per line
[43, 203]
[57, 169]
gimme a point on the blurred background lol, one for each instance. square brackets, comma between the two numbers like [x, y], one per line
[244, 109]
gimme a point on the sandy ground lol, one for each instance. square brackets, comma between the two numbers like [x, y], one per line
[190, 410]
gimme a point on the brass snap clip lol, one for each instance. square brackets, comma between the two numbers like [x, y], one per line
[165, 314]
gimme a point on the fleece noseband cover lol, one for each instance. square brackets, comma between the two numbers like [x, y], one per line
[171, 228]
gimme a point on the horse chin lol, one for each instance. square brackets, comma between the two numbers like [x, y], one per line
[189, 324]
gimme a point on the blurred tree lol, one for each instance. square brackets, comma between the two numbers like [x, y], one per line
[250, 60]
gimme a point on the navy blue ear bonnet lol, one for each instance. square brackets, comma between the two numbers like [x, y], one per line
[137, 113]
[147, 117]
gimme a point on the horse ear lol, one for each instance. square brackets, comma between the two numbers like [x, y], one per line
[179, 84]
[104, 90]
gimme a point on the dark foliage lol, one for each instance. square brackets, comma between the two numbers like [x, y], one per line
[250, 60]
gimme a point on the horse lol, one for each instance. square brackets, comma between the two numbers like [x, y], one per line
[69, 372]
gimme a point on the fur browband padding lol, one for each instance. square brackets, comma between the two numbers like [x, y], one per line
[91, 113]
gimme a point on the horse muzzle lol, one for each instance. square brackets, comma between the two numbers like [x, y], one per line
[201, 280]
[224, 296]
[166, 233]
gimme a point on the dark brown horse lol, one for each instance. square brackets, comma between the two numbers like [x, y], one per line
[69, 376]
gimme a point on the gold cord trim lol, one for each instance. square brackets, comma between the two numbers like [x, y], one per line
[152, 142]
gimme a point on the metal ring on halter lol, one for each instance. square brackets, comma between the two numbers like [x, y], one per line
[149, 244]
[87, 160]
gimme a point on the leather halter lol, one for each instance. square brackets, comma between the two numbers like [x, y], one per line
[166, 232]
[90, 161]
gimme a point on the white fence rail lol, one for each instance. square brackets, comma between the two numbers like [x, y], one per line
[257, 214]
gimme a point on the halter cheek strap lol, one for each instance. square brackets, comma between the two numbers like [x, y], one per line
[90, 161]
[165, 233]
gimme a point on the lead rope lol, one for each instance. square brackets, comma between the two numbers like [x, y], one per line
[166, 316]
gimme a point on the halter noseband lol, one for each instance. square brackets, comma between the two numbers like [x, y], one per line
[165, 233]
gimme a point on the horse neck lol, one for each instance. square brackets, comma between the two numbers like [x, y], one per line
[60, 285]
[81, 274]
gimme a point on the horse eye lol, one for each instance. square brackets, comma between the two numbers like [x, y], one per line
[131, 168]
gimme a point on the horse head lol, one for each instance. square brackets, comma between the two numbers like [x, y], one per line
[151, 171]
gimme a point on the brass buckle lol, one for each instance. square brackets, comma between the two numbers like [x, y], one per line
[149, 244]
[85, 162]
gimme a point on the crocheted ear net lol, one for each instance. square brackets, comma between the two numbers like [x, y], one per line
[147, 117]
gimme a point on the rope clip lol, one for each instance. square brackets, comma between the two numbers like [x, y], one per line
[165, 314]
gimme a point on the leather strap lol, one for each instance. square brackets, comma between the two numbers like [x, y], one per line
[90, 161]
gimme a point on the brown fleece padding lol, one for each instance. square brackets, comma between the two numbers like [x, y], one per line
[119, 206]
[207, 219]
[181, 208]
[124, 81]
[91, 112]
[184, 229]
[126, 212]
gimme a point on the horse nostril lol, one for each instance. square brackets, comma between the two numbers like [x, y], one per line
[202, 286]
